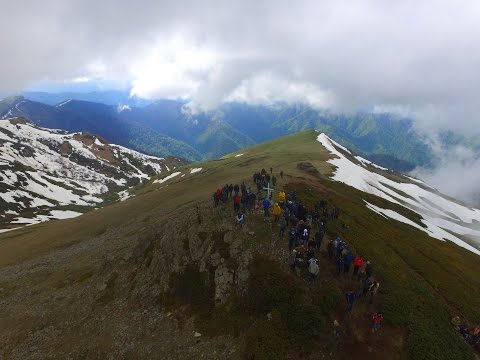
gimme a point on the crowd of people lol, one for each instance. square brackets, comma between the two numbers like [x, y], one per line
[304, 244]
[306, 232]
[340, 253]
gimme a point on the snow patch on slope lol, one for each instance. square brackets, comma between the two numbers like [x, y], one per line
[63, 103]
[431, 229]
[171, 176]
[43, 168]
[368, 162]
[441, 215]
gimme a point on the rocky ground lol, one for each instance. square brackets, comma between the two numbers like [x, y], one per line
[105, 297]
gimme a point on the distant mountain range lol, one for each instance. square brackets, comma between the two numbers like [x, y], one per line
[166, 127]
[48, 174]
[100, 119]
[110, 97]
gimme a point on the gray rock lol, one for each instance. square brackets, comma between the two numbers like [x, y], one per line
[229, 237]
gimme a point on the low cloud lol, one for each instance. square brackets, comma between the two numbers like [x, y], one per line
[421, 56]
[456, 173]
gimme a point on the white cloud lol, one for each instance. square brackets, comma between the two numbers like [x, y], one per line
[421, 56]
[267, 87]
[456, 173]
[80, 79]
[171, 68]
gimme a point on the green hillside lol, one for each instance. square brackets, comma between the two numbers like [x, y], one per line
[384, 138]
[137, 279]
[220, 138]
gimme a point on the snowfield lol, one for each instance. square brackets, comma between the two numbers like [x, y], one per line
[43, 168]
[444, 218]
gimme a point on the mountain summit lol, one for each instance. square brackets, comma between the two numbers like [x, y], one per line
[167, 274]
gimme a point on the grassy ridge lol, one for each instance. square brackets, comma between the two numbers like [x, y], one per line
[424, 281]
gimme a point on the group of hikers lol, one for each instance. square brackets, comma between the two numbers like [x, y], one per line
[305, 229]
[339, 252]
[304, 247]
[472, 337]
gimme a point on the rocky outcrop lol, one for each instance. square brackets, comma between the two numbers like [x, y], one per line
[124, 282]
[217, 250]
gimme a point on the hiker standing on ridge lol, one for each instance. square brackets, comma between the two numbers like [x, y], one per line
[291, 238]
[277, 211]
[271, 170]
[377, 320]
[368, 269]
[313, 269]
[347, 261]
[281, 198]
[281, 174]
[266, 208]
[259, 187]
[331, 249]
[240, 219]
[217, 196]
[357, 264]
[252, 201]
[236, 203]
[350, 296]
[244, 201]
[318, 238]
[336, 330]
[339, 265]
[243, 188]
[368, 285]
[373, 291]
[282, 223]
[292, 259]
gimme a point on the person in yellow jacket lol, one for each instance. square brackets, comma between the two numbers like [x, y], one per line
[277, 211]
[281, 196]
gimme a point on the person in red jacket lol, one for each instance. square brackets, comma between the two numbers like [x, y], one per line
[236, 203]
[357, 264]
[377, 320]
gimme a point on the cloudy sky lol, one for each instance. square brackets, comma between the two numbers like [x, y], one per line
[420, 58]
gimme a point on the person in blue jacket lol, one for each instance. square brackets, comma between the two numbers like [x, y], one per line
[347, 262]
[266, 207]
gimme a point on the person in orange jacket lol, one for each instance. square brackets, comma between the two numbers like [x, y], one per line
[277, 211]
[358, 262]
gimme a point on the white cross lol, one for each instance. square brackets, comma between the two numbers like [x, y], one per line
[268, 190]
